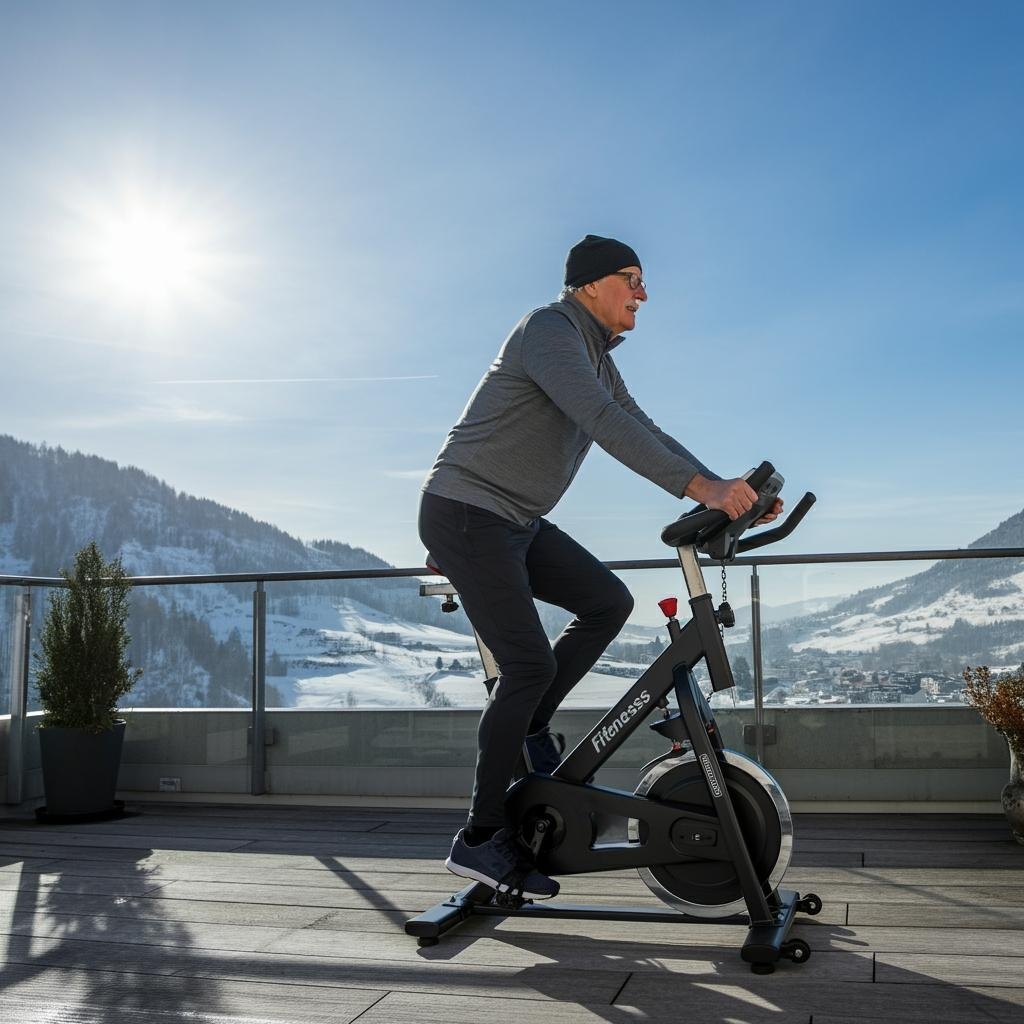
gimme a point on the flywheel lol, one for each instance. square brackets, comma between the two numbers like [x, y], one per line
[710, 888]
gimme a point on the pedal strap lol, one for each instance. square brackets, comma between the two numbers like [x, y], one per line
[510, 893]
[514, 882]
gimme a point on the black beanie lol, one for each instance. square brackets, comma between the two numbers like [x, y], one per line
[595, 257]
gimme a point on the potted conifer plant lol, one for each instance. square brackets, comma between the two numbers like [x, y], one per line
[1000, 702]
[82, 672]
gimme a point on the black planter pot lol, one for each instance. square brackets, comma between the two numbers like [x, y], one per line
[80, 772]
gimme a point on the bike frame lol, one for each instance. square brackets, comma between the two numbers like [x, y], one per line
[698, 639]
[672, 828]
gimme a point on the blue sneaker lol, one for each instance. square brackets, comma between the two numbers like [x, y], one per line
[499, 864]
[544, 750]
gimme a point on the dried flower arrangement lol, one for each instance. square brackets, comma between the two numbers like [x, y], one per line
[999, 701]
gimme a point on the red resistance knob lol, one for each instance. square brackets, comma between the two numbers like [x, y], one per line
[669, 605]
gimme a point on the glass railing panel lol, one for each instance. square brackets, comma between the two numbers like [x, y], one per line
[368, 644]
[194, 645]
[40, 597]
[886, 633]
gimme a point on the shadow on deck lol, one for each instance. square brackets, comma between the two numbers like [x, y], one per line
[297, 914]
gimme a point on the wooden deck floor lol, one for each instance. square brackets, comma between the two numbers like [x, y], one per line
[219, 914]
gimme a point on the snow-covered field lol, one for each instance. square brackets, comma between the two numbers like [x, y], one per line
[348, 655]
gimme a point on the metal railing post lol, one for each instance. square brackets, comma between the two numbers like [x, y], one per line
[21, 636]
[755, 637]
[258, 731]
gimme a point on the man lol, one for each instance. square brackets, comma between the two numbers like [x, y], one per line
[551, 392]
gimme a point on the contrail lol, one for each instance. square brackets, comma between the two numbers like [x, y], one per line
[298, 380]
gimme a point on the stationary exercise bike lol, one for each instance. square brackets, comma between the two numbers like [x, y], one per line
[708, 829]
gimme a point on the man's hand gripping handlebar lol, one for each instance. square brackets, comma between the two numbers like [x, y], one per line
[733, 497]
[718, 532]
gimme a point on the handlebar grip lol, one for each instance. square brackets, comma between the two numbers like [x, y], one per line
[760, 476]
[783, 530]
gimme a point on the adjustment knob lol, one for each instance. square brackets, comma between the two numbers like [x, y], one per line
[669, 606]
[725, 615]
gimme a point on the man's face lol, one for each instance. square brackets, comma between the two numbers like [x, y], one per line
[615, 303]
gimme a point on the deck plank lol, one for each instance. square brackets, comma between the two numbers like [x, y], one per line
[954, 915]
[794, 994]
[31, 996]
[403, 1008]
[149, 933]
[909, 877]
[99, 885]
[914, 968]
[66, 907]
[439, 975]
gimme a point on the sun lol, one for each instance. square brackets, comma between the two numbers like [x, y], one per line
[148, 254]
[151, 251]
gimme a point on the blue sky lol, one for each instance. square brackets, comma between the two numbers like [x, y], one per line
[343, 208]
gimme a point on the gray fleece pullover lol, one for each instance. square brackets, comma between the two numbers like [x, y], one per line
[551, 392]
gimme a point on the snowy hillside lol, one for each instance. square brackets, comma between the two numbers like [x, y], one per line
[929, 623]
[966, 609]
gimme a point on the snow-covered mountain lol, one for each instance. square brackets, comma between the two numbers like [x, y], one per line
[964, 611]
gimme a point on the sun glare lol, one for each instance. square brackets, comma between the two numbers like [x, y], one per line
[147, 252]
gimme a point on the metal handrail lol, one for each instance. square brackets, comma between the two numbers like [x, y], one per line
[931, 555]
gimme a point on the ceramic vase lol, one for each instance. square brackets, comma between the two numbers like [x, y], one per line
[1013, 796]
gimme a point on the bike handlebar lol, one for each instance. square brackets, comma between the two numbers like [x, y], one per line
[702, 522]
[704, 527]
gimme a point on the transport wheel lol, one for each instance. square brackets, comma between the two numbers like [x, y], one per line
[796, 950]
[809, 904]
[710, 888]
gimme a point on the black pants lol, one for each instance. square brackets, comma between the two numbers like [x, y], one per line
[498, 568]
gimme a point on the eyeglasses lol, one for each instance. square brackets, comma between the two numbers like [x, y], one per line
[635, 280]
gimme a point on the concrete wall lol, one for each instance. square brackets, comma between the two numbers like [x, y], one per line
[889, 754]
[886, 753]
